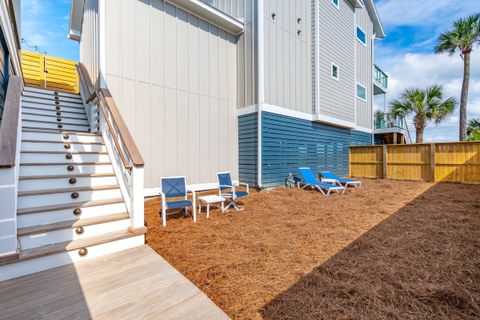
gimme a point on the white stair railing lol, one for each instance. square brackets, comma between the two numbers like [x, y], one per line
[104, 116]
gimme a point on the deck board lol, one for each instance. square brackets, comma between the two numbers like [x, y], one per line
[133, 284]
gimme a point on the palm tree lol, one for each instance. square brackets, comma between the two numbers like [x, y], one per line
[473, 130]
[461, 39]
[425, 105]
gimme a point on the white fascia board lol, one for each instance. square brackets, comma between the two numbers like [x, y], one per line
[76, 19]
[334, 121]
[10, 38]
[390, 130]
[301, 115]
[377, 23]
[210, 14]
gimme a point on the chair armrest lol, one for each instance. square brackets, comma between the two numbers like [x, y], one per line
[245, 185]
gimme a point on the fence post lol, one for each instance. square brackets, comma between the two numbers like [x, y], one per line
[432, 162]
[384, 162]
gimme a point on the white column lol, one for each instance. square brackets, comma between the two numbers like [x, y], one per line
[8, 201]
[136, 198]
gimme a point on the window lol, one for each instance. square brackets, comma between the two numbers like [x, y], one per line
[361, 36]
[361, 92]
[336, 3]
[335, 72]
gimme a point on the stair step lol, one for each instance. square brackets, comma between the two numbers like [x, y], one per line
[64, 147]
[66, 214]
[61, 130]
[72, 224]
[29, 199]
[66, 190]
[52, 107]
[52, 116]
[41, 239]
[94, 175]
[62, 169]
[54, 125]
[52, 111]
[51, 102]
[50, 91]
[52, 97]
[35, 158]
[56, 131]
[85, 204]
[59, 137]
[54, 119]
[81, 243]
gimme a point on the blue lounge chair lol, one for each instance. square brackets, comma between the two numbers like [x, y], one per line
[174, 187]
[329, 177]
[309, 180]
[227, 190]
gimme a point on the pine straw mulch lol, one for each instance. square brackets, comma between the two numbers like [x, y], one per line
[391, 250]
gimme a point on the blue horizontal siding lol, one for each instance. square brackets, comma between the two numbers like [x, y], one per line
[289, 143]
[247, 148]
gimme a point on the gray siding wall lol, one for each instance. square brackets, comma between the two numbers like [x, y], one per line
[243, 10]
[234, 8]
[336, 37]
[364, 68]
[174, 78]
[288, 62]
[89, 43]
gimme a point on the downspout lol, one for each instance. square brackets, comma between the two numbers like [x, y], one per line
[260, 88]
[372, 94]
[102, 45]
[317, 56]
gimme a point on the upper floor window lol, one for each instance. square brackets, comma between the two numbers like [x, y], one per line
[361, 36]
[336, 3]
[361, 92]
[335, 72]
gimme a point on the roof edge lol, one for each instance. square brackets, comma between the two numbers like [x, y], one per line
[377, 23]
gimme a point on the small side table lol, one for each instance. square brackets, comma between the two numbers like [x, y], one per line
[210, 200]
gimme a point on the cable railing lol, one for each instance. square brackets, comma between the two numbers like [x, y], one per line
[104, 116]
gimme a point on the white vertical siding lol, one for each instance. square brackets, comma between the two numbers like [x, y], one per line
[174, 77]
[288, 64]
[336, 37]
[364, 65]
[89, 43]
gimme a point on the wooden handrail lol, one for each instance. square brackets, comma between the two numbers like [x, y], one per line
[105, 101]
[9, 125]
[131, 147]
[86, 82]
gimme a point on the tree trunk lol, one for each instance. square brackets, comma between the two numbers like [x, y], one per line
[419, 135]
[464, 98]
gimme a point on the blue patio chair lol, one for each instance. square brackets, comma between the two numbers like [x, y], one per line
[312, 182]
[227, 190]
[330, 177]
[174, 187]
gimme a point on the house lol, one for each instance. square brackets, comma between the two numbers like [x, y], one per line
[194, 79]
[168, 88]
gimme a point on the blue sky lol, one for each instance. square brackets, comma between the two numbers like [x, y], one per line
[45, 24]
[406, 54]
[412, 28]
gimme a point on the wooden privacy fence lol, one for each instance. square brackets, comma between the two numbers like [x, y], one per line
[47, 72]
[453, 162]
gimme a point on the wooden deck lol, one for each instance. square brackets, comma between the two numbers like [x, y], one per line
[133, 284]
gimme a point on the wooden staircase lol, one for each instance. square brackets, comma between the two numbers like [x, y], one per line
[70, 206]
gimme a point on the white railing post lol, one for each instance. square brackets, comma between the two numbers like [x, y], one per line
[136, 198]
